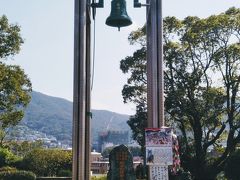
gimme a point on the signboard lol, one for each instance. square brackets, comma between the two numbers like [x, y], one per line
[159, 146]
[158, 172]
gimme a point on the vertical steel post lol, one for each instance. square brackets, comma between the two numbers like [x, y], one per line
[88, 96]
[159, 19]
[155, 76]
[155, 86]
[79, 90]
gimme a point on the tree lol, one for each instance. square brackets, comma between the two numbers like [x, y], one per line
[202, 76]
[47, 162]
[7, 158]
[135, 89]
[15, 86]
[232, 166]
[23, 148]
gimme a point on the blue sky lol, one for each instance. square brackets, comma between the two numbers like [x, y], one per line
[47, 54]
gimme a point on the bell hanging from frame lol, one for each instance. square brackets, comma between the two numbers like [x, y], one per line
[118, 16]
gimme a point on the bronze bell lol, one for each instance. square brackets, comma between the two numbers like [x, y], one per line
[118, 16]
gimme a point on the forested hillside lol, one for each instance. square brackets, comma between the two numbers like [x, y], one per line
[53, 116]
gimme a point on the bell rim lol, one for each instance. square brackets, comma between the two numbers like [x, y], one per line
[119, 24]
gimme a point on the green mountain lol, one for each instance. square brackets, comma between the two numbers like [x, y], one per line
[53, 116]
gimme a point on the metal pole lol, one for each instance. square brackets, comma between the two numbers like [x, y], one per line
[159, 19]
[79, 90]
[155, 86]
[88, 96]
[155, 76]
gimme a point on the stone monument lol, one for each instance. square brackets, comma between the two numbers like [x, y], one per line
[121, 164]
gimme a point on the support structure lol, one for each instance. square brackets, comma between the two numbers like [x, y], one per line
[81, 92]
[88, 97]
[155, 85]
[155, 76]
[82, 76]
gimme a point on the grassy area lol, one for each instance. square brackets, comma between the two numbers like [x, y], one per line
[103, 177]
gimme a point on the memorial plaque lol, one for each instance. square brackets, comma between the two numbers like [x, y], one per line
[121, 164]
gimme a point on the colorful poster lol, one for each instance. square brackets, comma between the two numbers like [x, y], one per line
[159, 146]
[158, 137]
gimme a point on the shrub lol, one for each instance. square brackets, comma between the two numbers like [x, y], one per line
[232, 166]
[64, 173]
[8, 168]
[47, 162]
[181, 175]
[7, 158]
[17, 175]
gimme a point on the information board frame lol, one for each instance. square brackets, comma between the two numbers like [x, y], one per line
[158, 143]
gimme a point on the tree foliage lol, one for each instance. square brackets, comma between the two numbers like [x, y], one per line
[23, 148]
[15, 86]
[47, 162]
[10, 39]
[7, 158]
[202, 76]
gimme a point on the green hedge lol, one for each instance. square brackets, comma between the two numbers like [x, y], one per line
[17, 175]
[64, 173]
[7, 168]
